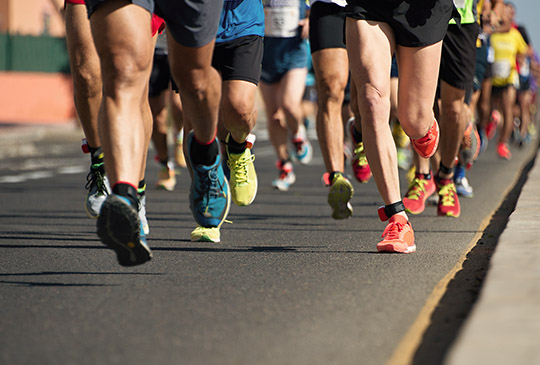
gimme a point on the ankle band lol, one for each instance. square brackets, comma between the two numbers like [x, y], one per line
[446, 170]
[385, 212]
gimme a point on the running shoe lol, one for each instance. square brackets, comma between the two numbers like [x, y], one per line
[491, 127]
[119, 228]
[303, 151]
[503, 151]
[204, 234]
[463, 187]
[403, 158]
[209, 196]
[483, 140]
[286, 176]
[98, 190]
[142, 214]
[398, 236]
[179, 151]
[243, 179]
[427, 145]
[419, 191]
[339, 196]
[166, 178]
[448, 199]
[470, 145]
[401, 139]
[360, 166]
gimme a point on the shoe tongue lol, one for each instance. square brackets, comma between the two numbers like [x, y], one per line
[398, 219]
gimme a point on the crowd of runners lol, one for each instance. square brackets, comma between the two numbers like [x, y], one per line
[396, 86]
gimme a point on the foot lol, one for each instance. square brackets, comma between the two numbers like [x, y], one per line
[286, 176]
[303, 151]
[419, 191]
[360, 166]
[98, 190]
[166, 178]
[448, 199]
[339, 196]
[398, 236]
[204, 234]
[119, 228]
[209, 197]
[243, 181]
[427, 145]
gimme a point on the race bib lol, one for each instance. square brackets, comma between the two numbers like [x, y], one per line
[502, 69]
[281, 22]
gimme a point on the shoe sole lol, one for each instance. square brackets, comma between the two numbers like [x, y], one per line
[118, 227]
[339, 199]
[393, 248]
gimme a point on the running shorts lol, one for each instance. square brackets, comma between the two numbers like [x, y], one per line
[160, 77]
[482, 69]
[326, 26]
[239, 59]
[192, 23]
[282, 55]
[417, 23]
[458, 59]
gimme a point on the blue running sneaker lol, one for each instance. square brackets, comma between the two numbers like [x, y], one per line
[463, 187]
[303, 151]
[120, 228]
[209, 196]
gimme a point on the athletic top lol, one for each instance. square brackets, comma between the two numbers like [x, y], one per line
[240, 18]
[467, 9]
[281, 17]
[506, 47]
[341, 3]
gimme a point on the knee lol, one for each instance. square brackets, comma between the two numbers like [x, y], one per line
[416, 121]
[330, 92]
[373, 102]
[124, 72]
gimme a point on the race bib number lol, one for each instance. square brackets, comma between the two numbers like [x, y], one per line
[281, 22]
[502, 69]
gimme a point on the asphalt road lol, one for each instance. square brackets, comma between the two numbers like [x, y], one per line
[287, 285]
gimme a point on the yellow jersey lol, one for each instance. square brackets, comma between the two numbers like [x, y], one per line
[506, 47]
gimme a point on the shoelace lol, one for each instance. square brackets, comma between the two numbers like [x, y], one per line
[447, 194]
[96, 178]
[240, 168]
[417, 187]
[392, 231]
[360, 154]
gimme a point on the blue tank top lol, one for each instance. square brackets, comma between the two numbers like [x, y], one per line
[240, 18]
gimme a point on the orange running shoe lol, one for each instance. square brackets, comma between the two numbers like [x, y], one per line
[503, 151]
[427, 145]
[420, 189]
[448, 198]
[398, 236]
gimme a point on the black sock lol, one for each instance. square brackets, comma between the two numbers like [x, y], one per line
[96, 156]
[235, 147]
[204, 154]
[127, 191]
[141, 189]
[357, 136]
[333, 174]
[164, 163]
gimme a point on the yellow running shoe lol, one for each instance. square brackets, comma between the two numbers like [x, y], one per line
[339, 196]
[243, 181]
[205, 234]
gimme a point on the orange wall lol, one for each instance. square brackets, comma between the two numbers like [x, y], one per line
[27, 97]
[28, 17]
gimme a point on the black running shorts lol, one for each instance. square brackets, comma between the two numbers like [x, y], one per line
[326, 26]
[458, 59]
[192, 23]
[239, 59]
[416, 23]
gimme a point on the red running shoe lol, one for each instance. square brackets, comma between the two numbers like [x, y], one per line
[398, 236]
[448, 199]
[503, 151]
[427, 145]
[360, 166]
[419, 191]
